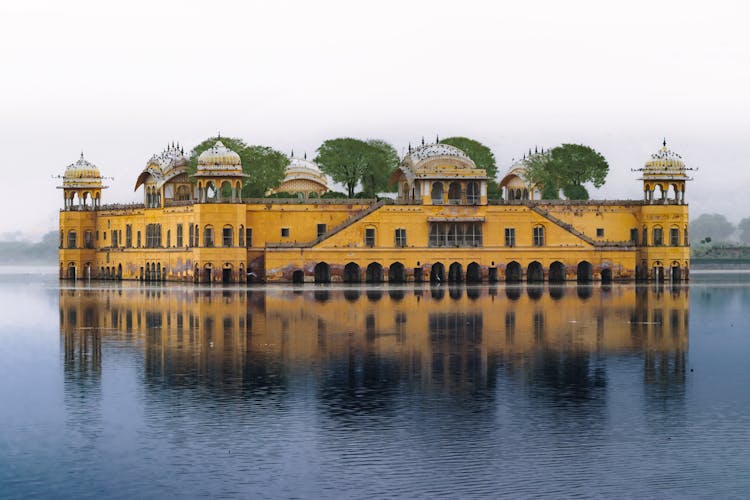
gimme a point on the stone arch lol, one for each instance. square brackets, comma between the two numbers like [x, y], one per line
[226, 273]
[584, 272]
[513, 272]
[454, 193]
[374, 273]
[352, 273]
[208, 273]
[119, 272]
[437, 273]
[535, 272]
[606, 276]
[455, 273]
[557, 272]
[322, 272]
[473, 273]
[436, 193]
[396, 273]
[675, 271]
[298, 276]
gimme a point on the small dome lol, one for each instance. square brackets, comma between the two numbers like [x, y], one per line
[302, 163]
[82, 169]
[434, 151]
[664, 163]
[82, 174]
[219, 158]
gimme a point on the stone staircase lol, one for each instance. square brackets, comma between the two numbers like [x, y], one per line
[568, 227]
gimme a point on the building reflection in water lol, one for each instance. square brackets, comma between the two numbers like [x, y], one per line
[363, 345]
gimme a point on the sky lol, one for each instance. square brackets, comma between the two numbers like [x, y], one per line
[120, 80]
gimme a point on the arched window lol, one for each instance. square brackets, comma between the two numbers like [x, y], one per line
[437, 193]
[658, 236]
[227, 236]
[72, 239]
[674, 236]
[241, 236]
[208, 236]
[454, 193]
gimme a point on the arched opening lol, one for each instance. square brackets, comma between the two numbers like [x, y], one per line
[298, 277]
[473, 273]
[374, 273]
[226, 191]
[659, 272]
[584, 272]
[676, 272]
[211, 191]
[158, 272]
[455, 273]
[119, 272]
[396, 273]
[437, 193]
[352, 273]
[556, 272]
[207, 274]
[437, 273]
[72, 271]
[606, 276]
[534, 273]
[322, 273]
[513, 272]
[226, 274]
[454, 193]
[472, 193]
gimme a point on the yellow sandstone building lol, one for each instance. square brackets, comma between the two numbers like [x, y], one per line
[441, 227]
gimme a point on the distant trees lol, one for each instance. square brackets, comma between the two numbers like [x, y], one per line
[711, 227]
[567, 168]
[482, 157]
[353, 161]
[263, 164]
[744, 227]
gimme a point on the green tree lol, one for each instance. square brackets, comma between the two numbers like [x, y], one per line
[540, 173]
[352, 161]
[710, 227]
[377, 174]
[568, 167]
[264, 165]
[482, 157]
[744, 227]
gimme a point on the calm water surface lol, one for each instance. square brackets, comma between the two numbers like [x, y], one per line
[127, 390]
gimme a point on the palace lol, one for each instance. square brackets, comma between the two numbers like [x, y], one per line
[441, 226]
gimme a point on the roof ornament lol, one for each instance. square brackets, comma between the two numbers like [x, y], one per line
[410, 146]
[536, 151]
[664, 143]
[422, 140]
[218, 136]
[292, 155]
[305, 155]
[437, 139]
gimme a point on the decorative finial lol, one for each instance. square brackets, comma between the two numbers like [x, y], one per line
[664, 143]
[437, 139]
[305, 155]
[292, 153]
[218, 136]
[82, 154]
[410, 146]
[422, 140]
[536, 151]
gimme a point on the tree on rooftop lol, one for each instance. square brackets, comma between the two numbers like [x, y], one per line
[351, 161]
[264, 165]
[568, 167]
[482, 157]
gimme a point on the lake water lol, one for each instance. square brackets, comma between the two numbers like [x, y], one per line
[125, 390]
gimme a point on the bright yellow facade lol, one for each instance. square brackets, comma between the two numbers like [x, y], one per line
[440, 228]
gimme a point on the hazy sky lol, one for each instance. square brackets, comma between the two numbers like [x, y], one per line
[120, 80]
